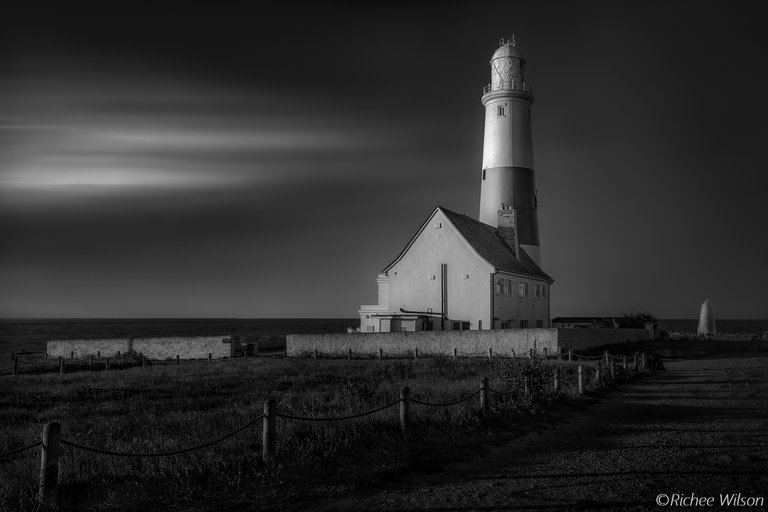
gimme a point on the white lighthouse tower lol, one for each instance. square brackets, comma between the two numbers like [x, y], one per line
[507, 176]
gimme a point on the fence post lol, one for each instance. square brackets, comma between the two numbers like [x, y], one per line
[581, 380]
[62, 368]
[123, 362]
[598, 371]
[177, 359]
[381, 354]
[106, 364]
[635, 362]
[405, 412]
[71, 354]
[526, 384]
[485, 404]
[143, 361]
[90, 360]
[15, 369]
[416, 353]
[455, 352]
[642, 361]
[210, 357]
[613, 371]
[607, 357]
[544, 352]
[349, 354]
[490, 353]
[98, 354]
[49, 466]
[269, 424]
[556, 380]
[570, 355]
[626, 367]
[315, 353]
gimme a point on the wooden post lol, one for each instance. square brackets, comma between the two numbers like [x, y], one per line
[349, 354]
[49, 466]
[416, 353]
[71, 354]
[598, 372]
[485, 404]
[613, 371]
[315, 353]
[61, 366]
[642, 361]
[635, 363]
[269, 423]
[526, 384]
[123, 363]
[455, 352]
[210, 357]
[607, 357]
[405, 412]
[581, 380]
[15, 369]
[381, 354]
[556, 380]
[98, 354]
[570, 354]
[178, 360]
[118, 355]
[490, 353]
[626, 367]
[106, 364]
[143, 361]
[544, 352]
[90, 360]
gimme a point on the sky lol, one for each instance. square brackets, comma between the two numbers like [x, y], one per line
[233, 159]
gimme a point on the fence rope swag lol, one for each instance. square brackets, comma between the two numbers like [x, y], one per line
[338, 418]
[19, 450]
[160, 454]
[448, 403]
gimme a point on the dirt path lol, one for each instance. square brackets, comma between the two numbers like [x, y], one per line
[699, 427]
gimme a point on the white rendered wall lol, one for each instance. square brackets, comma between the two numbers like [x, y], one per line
[411, 286]
[516, 308]
[507, 139]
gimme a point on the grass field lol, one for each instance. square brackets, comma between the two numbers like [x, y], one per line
[163, 408]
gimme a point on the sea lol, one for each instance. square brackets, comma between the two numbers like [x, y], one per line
[30, 335]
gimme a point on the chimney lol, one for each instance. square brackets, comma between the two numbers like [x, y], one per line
[508, 228]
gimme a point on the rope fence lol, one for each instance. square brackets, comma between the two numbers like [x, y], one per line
[51, 439]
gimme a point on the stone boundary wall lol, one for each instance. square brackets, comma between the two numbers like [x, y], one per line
[467, 343]
[187, 347]
[401, 344]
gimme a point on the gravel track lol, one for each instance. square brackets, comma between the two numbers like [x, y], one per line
[700, 426]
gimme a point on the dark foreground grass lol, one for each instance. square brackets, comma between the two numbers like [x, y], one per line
[164, 408]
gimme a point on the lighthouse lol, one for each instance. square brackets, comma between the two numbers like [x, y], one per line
[508, 171]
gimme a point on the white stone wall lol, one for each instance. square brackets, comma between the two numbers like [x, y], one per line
[188, 347]
[502, 341]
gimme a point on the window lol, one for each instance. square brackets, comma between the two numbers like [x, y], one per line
[483, 174]
[370, 328]
[539, 324]
[523, 290]
[543, 291]
[505, 325]
[500, 112]
[507, 287]
[499, 286]
[523, 324]
[536, 292]
[480, 325]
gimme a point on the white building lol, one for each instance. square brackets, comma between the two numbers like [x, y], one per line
[462, 273]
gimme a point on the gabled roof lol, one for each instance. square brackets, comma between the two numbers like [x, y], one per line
[487, 243]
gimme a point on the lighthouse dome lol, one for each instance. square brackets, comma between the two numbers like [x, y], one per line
[506, 49]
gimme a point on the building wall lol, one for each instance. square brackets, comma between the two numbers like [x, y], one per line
[191, 347]
[510, 308]
[400, 344]
[414, 282]
[502, 341]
